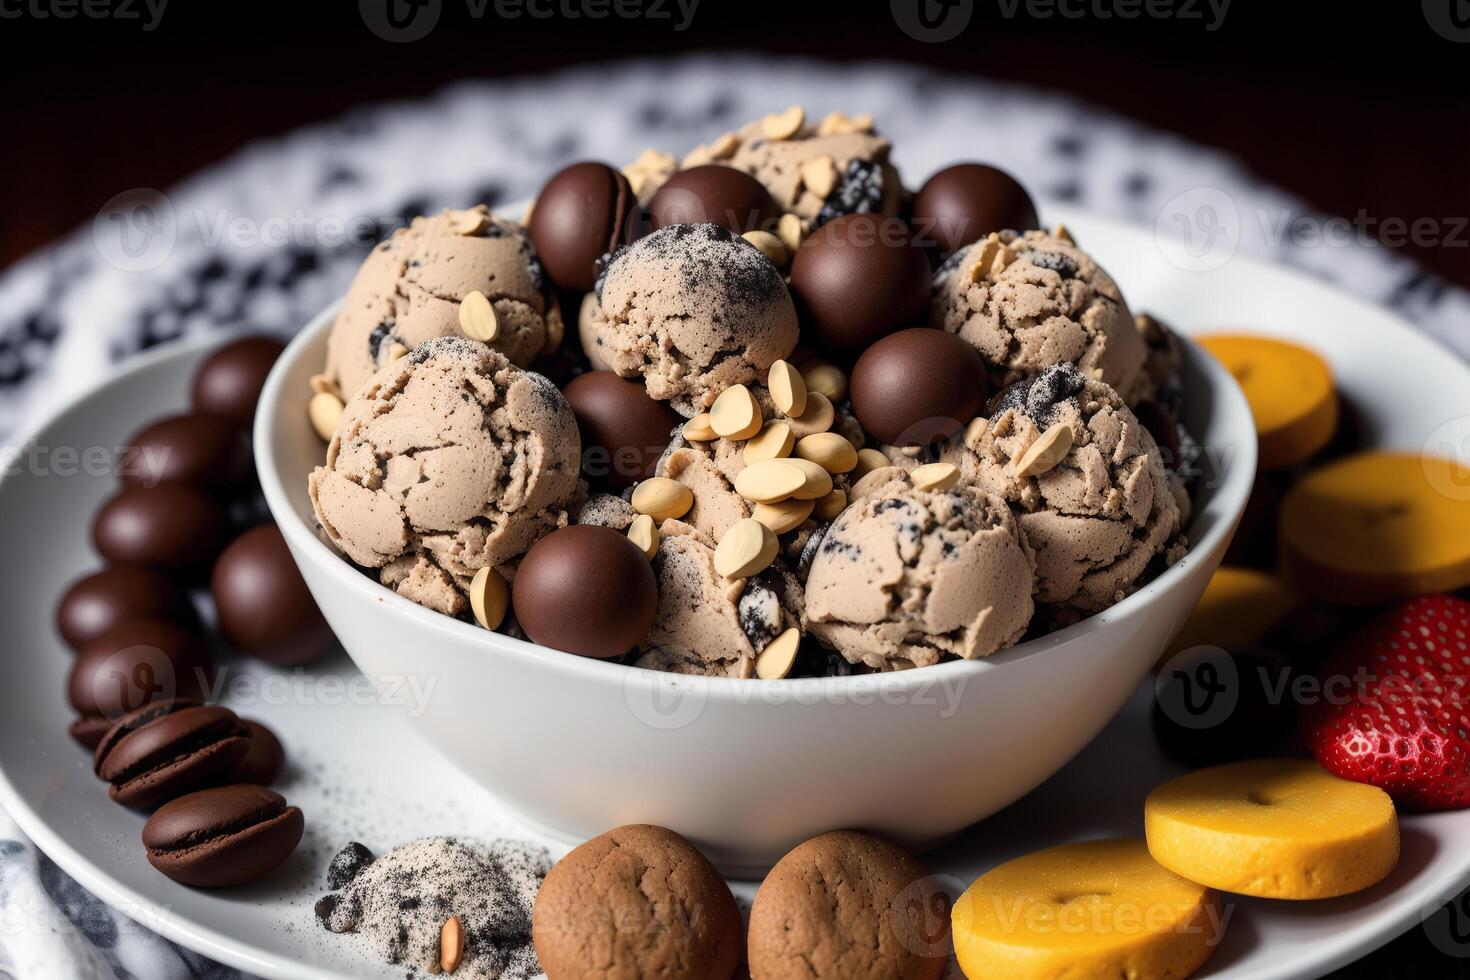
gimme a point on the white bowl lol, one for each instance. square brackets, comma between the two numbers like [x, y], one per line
[747, 769]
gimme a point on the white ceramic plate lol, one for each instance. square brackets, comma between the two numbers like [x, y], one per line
[359, 773]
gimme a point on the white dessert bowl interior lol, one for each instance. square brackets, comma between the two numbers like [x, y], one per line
[746, 769]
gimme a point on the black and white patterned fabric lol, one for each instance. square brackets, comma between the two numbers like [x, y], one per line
[266, 239]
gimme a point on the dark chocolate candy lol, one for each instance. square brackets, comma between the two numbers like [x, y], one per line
[161, 752]
[264, 606]
[587, 590]
[173, 527]
[96, 603]
[964, 203]
[624, 432]
[858, 278]
[208, 450]
[918, 387]
[228, 383]
[583, 213]
[716, 195]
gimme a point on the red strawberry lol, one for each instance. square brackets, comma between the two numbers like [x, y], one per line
[1394, 706]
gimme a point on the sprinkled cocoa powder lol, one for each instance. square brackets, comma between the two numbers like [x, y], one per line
[398, 903]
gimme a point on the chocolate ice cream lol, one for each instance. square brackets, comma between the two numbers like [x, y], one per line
[905, 577]
[448, 460]
[708, 624]
[1085, 479]
[693, 309]
[1029, 301]
[410, 287]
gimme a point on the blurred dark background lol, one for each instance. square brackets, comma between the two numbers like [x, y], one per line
[1353, 107]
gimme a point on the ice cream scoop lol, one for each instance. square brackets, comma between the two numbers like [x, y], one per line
[410, 287]
[1085, 479]
[449, 460]
[708, 624]
[905, 577]
[693, 310]
[1029, 301]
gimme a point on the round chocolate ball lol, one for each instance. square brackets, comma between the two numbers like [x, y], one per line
[583, 213]
[210, 450]
[1213, 706]
[136, 664]
[858, 278]
[228, 383]
[96, 603]
[264, 606]
[713, 195]
[173, 527]
[624, 432]
[918, 387]
[968, 201]
[587, 590]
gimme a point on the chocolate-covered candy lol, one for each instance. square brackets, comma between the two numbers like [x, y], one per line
[210, 450]
[223, 836]
[584, 212]
[165, 750]
[96, 603]
[587, 590]
[264, 606]
[1214, 706]
[858, 278]
[716, 195]
[174, 527]
[228, 383]
[132, 665]
[918, 387]
[264, 759]
[624, 432]
[966, 202]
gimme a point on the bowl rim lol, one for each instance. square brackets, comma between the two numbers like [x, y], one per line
[1225, 505]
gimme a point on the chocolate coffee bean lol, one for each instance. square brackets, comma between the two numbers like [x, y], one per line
[584, 212]
[918, 387]
[715, 195]
[858, 278]
[173, 527]
[130, 666]
[624, 432]
[264, 759]
[163, 751]
[224, 836]
[264, 606]
[209, 450]
[96, 603]
[587, 590]
[964, 203]
[228, 383]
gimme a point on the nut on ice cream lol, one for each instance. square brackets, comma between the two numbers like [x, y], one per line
[410, 287]
[1086, 481]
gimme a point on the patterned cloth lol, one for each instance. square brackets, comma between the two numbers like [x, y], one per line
[266, 239]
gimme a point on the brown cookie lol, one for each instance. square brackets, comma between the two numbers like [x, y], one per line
[637, 902]
[848, 906]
